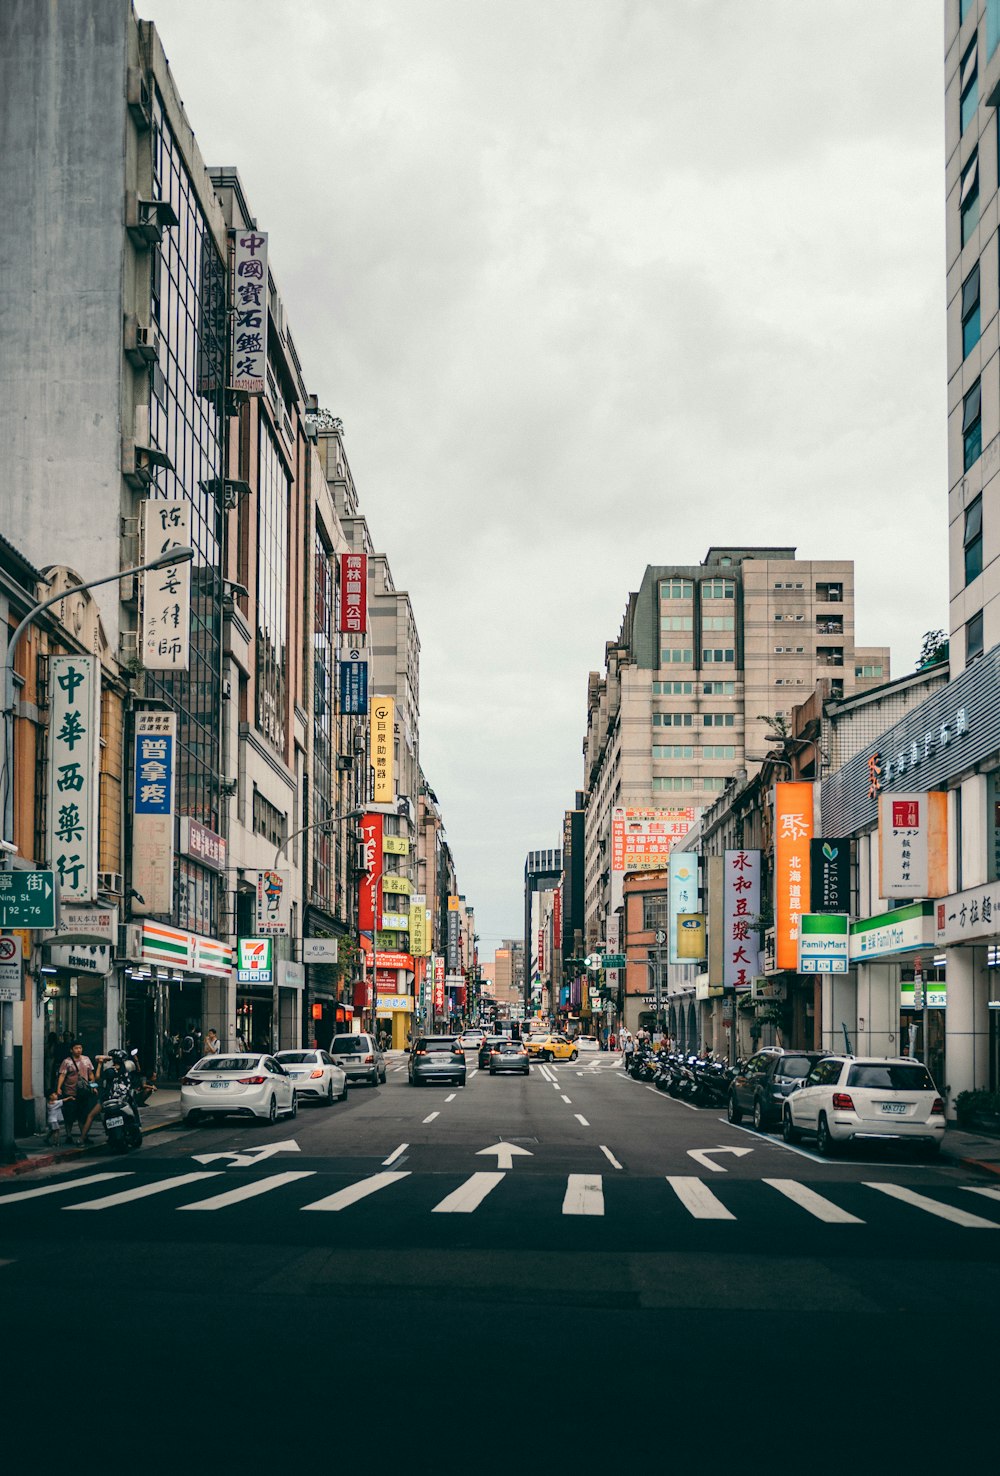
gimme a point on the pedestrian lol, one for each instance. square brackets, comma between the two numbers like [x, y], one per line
[73, 1088]
[612, 1042]
[213, 1045]
[628, 1050]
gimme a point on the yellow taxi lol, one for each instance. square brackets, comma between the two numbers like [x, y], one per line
[550, 1047]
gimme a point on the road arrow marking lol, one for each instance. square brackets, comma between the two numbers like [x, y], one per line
[700, 1155]
[247, 1157]
[505, 1153]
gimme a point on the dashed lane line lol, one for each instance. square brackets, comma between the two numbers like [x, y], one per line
[567, 1100]
[610, 1157]
[584, 1195]
[396, 1153]
[432, 1117]
[581, 1120]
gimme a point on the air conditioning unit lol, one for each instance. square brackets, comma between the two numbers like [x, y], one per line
[138, 99]
[142, 345]
[110, 881]
[140, 463]
[146, 220]
[130, 941]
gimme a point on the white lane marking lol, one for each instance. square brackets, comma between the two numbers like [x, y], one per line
[610, 1157]
[931, 1207]
[397, 1153]
[60, 1188]
[344, 1197]
[957, 1216]
[567, 1101]
[579, 1073]
[143, 1191]
[581, 1120]
[584, 1195]
[545, 1071]
[432, 1117]
[468, 1196]
[399, 1068]
[697, 1198]
[247, 1191]
[689, 1105]
[812, 1203]
[977, 1189]
[452, 1097]
[555, 1084]
[473, 1072]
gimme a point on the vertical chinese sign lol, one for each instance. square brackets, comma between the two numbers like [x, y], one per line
[438, 984]
[166, 592]
[682, 898]
[74, 749]
[153, 812]
[740, 918]
[250, 312]
[451, 949]
[274, 904]
[371, 881]
[913, 844]
[382, 740]
[353, 594]
[793, 830]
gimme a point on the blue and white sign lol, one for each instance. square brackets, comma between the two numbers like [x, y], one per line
[682, 897]
[354, 686]
[153, 813]
[154, 772]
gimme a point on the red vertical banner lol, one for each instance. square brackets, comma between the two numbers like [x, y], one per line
[438, 984]
[793, 830]
[354, 593]
[371, 882]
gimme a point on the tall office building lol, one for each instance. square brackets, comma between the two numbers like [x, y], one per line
[542, 875]
[710, 659]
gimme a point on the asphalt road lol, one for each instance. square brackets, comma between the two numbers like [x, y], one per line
[549, 1243]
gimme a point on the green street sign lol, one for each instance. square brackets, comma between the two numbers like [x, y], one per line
[27, 899]
[612, 960]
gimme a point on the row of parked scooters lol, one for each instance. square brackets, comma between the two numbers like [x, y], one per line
[701, 1080]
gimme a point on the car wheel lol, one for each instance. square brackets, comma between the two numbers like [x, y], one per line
[759, 1123]
[789, 1133]
[293, 1110]
[492, 1072]
[383, 1078]
[733, 1112]
[272, 1109]
[825, 1145]
[574, 1056]
[193, 1118]
[343, 1092]
[329, 1094]
[374, 1078]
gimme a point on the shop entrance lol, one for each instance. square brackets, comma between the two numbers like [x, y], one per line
[254, 1020]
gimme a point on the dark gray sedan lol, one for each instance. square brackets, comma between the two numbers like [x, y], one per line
[510, 1055]
[437, 1058]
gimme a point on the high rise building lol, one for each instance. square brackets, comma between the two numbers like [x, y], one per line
[542, 875]
[710, 659]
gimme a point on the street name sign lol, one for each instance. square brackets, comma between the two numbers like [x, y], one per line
[27, 899]
[612, 960]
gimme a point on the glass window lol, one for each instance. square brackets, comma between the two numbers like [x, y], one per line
[674, 784]
[672, 719]
[970, 311]
[726, 655]
[974, 637]
[676, 589]
[654, 910]
[972, 426]
[272, 592]
[714, 782]
[972, 540]
[718, 622]
[964, 6]
[891, 1077]
[719, 689]
[673, 689]
[676, 622]
[673, 750]
[719, 751]
[969, 197]
[676, 656]
[719, 720]
[969, 100]
[992, 26]
[718, 589]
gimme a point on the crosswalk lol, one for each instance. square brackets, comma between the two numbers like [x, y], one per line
[584, 1196]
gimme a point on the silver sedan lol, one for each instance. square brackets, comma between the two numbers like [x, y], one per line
[315, 1074]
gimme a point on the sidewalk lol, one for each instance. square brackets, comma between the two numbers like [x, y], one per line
[161, 1111]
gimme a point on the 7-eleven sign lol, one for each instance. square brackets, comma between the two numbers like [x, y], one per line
[254, 963]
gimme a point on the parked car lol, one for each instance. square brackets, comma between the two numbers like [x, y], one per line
[760, 1085]
[489, 1044]
[437, 1058]
[315, 1074]
[848, 1098]
[245, 1085]
[550, 1047]
[360, 1057]
[509, 1055]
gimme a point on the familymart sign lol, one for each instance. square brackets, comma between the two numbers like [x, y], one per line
[824, 943]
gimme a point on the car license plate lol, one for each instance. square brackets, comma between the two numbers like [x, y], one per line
[893, 1106]
[115, 1122]
[216, 1084]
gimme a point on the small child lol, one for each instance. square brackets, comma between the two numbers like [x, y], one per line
[55, 1120]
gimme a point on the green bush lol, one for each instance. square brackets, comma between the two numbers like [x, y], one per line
[973, 1107]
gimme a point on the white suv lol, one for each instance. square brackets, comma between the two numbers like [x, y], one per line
[848, 1097]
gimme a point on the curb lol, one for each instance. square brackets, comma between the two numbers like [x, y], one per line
[45, 1160]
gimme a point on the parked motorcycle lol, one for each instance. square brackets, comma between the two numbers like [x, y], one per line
[119, 1106]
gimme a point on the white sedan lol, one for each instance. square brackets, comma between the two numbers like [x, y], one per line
[243, 1085]
[315, 1074]
[855, 1098]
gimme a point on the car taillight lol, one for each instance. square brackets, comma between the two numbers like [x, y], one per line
[189, 1081]
[842, 1102]
[369, 1060]
[459, 1051]
[251, 1081]
[420, 1053]
[494, 1052]
[314, 1074]
[937, 1106]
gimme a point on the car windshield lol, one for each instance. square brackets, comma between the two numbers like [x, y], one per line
[293, 1056]
[348, 1045]
[892, 1077]
[227, 1063]
[793, 1066]
[511, 1048]
[538, 1037]
[437, 1043]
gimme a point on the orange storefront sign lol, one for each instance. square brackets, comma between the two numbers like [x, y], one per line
[793, 830]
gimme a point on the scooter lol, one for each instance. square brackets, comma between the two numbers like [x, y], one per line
[119, 1108]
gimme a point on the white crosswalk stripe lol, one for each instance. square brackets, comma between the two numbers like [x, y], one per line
[344, 1197]
[60, 1188]
[247, 1191]
[584, 1195]
[697, 1198]
[813, 1203]
[934, 1207]
[470, 1195]
[142, 1191]
[981, 1189]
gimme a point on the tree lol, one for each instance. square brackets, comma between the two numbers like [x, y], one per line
[934, 648]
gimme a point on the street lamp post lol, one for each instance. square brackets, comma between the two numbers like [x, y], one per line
[168, 558]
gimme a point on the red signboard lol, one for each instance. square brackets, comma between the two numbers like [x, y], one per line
[371, 882]
[439, 984]
[354, 593]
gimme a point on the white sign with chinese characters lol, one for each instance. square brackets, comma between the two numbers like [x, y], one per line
[740, 914]
[74, 749]
[968, 917]
[166, 592]
[250, 311]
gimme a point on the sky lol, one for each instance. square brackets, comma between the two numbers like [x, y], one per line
[596, 284]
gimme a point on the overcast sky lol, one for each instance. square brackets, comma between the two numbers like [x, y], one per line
[595, 284]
